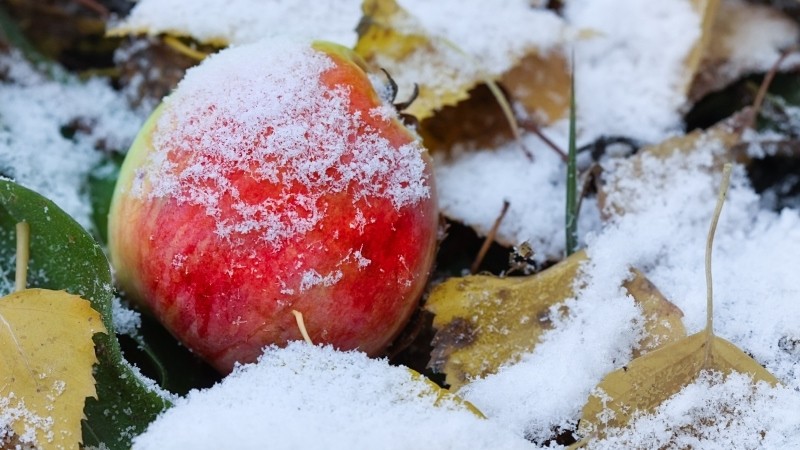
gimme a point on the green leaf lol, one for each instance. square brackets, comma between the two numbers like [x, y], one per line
[572, 174]
[102, 179]
[64, 256]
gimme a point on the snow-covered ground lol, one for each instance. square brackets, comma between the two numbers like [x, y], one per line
[631, 80]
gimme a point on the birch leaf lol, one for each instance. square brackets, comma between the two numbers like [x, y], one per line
[64, 256]
[46, 368]
[484, 322]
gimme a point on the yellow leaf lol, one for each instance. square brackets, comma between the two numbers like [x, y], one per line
[650, 380]
[46, 370]
[392, 39]
[484, 322]
[443, 394]
[646, 382]
[707, 10]
[725, 135]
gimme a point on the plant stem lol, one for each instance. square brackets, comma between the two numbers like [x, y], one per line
[723, 190]
[23, 254]
[572, 174]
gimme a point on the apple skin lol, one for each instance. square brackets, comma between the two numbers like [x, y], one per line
[356, 276]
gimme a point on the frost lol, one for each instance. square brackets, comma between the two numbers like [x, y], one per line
[260, 115]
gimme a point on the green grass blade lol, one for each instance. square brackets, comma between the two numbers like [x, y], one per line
[572, 174]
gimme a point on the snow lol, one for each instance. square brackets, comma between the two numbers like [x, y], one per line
[756, 416]
[631, 81]
[308, 146]
[306, 396]
[470, 189]
[515, 26]
[663, 233]
[34, 150]
[247, 21]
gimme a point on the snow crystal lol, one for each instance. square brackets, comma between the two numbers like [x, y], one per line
[630, 74]
[316, 397]
[262, 110]
[470, 190]
[247, 21]
[516, 28]
[126, 321]
[715, 412]
[668, 210]
[35, 148]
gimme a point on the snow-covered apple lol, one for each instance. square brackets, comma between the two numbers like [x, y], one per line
[275, 178]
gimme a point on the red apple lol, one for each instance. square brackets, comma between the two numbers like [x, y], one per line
[274, 179]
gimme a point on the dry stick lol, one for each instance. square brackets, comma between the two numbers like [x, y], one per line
[530, 125]
[765, 83]
[23, 254]
[723, 191]
[489, 239]
[184, 49]
[298, 316]
[96, 7]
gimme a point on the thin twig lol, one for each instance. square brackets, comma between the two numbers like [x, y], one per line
[489, 239]
[765, 84]
[530, 125]
[177, 45]
[101, 10]
[23, 255]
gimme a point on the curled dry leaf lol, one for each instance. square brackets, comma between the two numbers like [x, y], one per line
[391, 38]
[46, 371]
[746, 38]
[484, 322]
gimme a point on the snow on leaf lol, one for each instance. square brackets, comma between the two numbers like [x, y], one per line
[746, 38]
[391, 38]
[412, 43]
[647, 382]
[46, 370]
[485, 322]
[306, 396]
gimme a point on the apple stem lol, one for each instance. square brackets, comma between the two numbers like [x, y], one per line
[298, 316]
[23, 254]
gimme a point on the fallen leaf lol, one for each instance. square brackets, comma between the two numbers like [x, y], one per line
[648, 381]
[616, 195]
[47, 365]
[739, 45]
[124, 401]
[393, 39]
[540, 83]
[484, 322]
[707, 10]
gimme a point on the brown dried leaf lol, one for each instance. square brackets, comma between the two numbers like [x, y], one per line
[540, 82]
[726, 135]
[707, 9]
